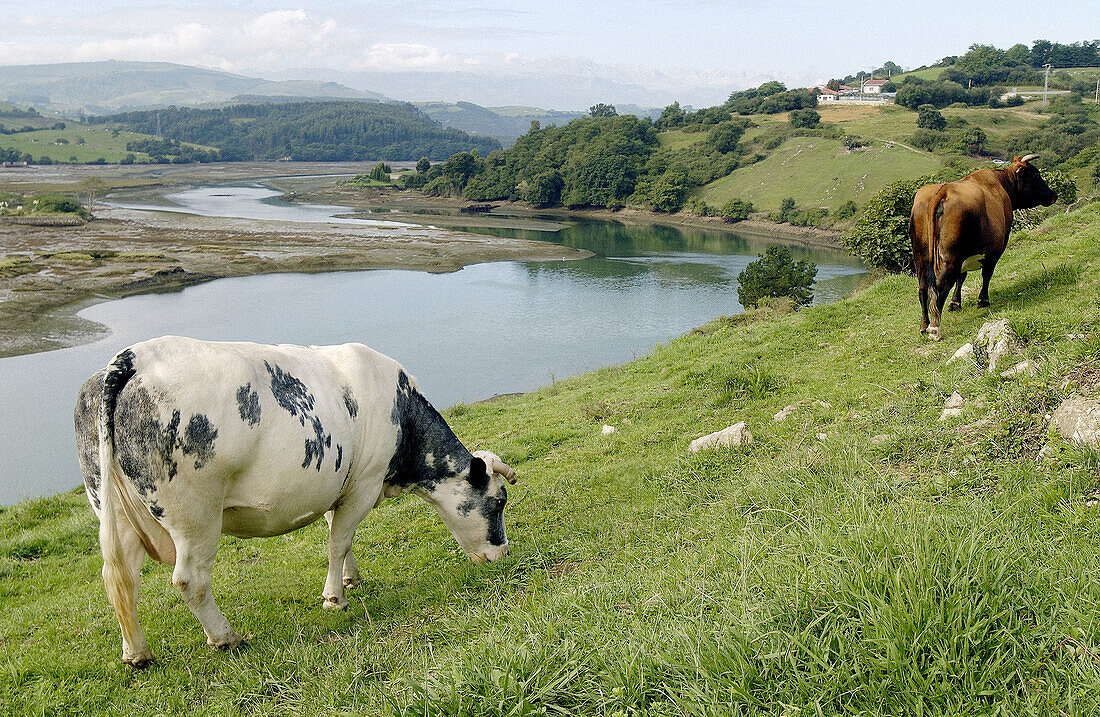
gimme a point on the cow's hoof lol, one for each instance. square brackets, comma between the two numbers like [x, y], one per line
[954, 306]
[350, 582]
[983, 304]
[934, 333]
[139, 662]
[227, 643]
[334, 603]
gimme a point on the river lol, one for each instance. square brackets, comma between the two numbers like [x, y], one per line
[484, 330]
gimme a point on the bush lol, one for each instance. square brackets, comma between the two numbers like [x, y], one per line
[1062, 183]
[881, 235]
[805, 118]
[845, 210]
[928, 117]
[776, 274]
[786, 213]
[736, 210]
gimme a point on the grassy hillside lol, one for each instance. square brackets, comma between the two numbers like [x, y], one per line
[99, 141]
[860, 556]
[819, 172]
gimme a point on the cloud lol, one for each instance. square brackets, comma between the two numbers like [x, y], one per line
[409, 57]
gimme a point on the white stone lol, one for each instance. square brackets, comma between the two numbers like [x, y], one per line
[608, 430]
[1020, 368]
[822, 437]
[953, 406]
[999, 340]
[966, 351]
[1078, 420]
[736, 435]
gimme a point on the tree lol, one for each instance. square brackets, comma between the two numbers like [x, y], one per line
[671, 117]
[928, 117]
[668, 192]
[423, 165]
[723, 138]
[602, 110]
[775, 274]
[93, 187]
[833, 85]
[380, 172]
[805, 118]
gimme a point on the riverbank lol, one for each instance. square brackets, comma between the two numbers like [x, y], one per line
[48, 273]
[413, 206]
[860, 556]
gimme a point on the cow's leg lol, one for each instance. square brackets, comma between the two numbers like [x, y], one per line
[956, 300]
[922, 294]
[942, 290]
[341, 530]
[122, 589]
[351, 568]
[987, 274]
[194, 559]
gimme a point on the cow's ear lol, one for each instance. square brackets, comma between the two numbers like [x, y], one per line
[478, 476]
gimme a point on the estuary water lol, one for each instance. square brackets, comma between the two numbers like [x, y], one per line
[485, 330]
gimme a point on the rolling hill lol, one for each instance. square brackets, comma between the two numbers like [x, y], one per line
[112, 86]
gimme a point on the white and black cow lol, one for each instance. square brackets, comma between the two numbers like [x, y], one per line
[197, 439]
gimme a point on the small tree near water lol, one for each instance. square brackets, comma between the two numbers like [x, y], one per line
[776, 274]
[380, 172]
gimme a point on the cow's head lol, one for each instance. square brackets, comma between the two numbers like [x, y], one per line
[471, 504]
[1031, 189]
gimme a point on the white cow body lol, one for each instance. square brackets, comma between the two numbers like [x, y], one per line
[200, 438]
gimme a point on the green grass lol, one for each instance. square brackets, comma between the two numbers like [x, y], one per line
[678, 139]
[818, 172]
[902, 565]
[98, 142]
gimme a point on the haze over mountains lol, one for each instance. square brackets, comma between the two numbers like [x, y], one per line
[98, 88]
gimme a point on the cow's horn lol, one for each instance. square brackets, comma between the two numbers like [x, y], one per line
[1028, 157]
[505, 470]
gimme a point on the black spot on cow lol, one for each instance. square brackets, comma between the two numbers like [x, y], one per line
[339, 457]
[350, 402]
[315, 447]
[248, 403]
[143, 445]
[427, 450]
[156, 510]
[85, 423]
[290, 393]
[198, 438]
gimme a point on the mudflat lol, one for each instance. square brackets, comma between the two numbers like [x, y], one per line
[47, 273]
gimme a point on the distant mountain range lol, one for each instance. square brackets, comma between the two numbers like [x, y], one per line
[106, 87]
[102, 88]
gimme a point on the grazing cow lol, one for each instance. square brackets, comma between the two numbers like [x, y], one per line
[182, 440]
[962, 226]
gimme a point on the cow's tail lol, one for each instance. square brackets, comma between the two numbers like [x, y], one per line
[115, 575]
[158, 543]
[935, 214]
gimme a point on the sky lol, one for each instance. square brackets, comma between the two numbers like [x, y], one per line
[535, 53]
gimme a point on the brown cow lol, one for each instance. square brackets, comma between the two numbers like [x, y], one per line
[963, 226]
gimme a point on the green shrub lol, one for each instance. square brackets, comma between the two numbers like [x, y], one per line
[804, 118]
[881, 235]
[845, 210]
[777, 274]
[736, 210]
[928, 117]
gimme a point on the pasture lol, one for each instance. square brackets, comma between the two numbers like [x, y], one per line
[860, 556]
[818, 172]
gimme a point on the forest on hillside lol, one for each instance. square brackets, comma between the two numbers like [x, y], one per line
[306, 131]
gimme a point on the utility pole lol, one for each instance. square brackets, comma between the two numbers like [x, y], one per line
[1098, 90]
[1046, 79]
